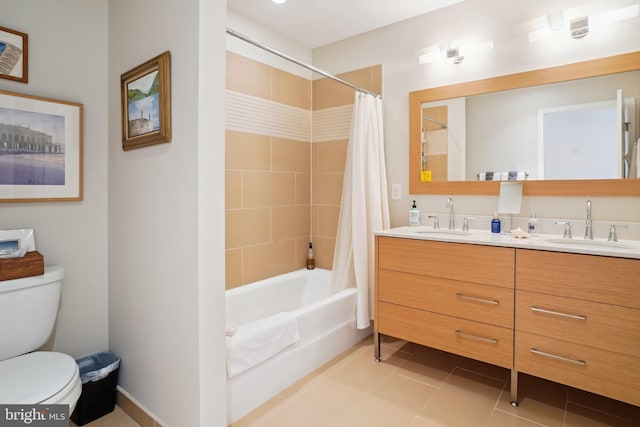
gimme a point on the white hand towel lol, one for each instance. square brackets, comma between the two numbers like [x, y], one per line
[257, 341]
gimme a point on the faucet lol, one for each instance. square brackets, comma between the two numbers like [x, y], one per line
[449, 205]
[588, 229]
[613, 234]
[465, 222]
[436, 222]
[567, 228]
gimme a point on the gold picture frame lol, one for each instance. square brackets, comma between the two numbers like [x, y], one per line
[14, 55]
[146, 103]
[40, 149]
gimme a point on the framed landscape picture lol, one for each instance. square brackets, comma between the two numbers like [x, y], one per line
[14, 55]
[40, 149]
[146, 103]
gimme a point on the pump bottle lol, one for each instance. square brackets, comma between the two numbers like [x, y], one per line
[311, 264]
[495, 223]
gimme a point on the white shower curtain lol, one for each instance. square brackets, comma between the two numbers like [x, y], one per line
[364, 207]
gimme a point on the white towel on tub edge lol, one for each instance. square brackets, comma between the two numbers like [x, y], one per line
[257, 341]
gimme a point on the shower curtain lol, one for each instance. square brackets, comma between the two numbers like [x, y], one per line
[364, 207]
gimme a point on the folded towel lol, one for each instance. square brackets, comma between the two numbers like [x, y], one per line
[257, 341]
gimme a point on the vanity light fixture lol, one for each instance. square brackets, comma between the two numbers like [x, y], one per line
[454, 51]
[279, 1]
[579, 27]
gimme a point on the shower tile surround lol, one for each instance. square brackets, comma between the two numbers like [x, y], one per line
[275, 168]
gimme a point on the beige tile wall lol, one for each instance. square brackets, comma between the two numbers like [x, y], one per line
[271, 180]
[329, 158]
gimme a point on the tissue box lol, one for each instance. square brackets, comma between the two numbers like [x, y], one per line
[32, 264]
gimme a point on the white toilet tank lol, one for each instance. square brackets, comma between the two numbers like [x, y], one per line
[28, 310]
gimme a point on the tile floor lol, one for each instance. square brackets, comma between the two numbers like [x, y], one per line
[117, 418]
[415, 386]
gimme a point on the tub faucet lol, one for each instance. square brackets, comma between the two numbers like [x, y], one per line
[449, 205]
[588, 229]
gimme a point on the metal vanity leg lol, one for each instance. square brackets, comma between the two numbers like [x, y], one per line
[376, 346]
[514, 387]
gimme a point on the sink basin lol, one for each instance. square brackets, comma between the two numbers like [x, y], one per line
[590, 243]
[440, 231]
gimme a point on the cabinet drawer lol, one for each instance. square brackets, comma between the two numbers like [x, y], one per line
[488, 265]
[605, 326]
[599, 371]
[491, 344]
[588, 277]
[483, 303]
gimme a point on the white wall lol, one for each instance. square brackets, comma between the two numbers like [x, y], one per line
[502, 21]
[166, 223]
[67, 67]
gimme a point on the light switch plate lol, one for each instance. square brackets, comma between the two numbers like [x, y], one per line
[396, 192]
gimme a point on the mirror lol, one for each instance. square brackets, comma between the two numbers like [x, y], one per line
[453, 97]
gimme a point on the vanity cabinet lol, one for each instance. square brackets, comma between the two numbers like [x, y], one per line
[453, 297]
[577, 321]
[569, 318]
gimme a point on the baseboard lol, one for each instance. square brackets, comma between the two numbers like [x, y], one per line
[135, 410]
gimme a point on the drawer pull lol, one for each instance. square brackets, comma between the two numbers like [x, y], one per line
[558, 313]
[476, 337]
[553, 356]
[476, 299]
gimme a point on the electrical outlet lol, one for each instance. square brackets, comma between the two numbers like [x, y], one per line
[396, 192]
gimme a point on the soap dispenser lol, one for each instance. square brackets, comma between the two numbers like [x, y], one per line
[495, 223]
[533, 224]
[414, 215]
[311, 263]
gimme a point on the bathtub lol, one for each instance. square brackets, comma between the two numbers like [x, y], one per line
[326, 324]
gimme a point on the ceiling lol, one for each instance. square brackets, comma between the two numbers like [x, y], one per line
[315, 23]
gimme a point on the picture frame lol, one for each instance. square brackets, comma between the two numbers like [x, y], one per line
[40, 149]
[14, 55]
[146, 103]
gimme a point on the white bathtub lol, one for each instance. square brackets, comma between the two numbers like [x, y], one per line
[326, 324]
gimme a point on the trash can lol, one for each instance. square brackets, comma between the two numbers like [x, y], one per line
[99, 376]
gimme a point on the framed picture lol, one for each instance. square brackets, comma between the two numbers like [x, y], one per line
[40, 149]
[146, 103]
[14, 55]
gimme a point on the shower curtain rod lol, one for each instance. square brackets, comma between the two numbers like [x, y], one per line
[444, 125]
[326, 74]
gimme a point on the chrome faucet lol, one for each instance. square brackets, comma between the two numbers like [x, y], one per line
[588, 229]
[567, 228]
[436, 222]
[449, 205]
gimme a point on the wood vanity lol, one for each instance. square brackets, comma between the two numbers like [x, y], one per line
[567, 317]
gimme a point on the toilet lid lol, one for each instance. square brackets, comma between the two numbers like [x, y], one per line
[35, 377]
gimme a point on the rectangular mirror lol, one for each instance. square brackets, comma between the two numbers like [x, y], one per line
[494, 130]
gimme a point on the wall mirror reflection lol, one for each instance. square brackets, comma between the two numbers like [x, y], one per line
[577, 124]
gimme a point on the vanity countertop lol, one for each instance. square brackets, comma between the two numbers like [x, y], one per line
[546, 242]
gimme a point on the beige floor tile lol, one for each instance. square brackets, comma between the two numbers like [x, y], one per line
[503, 419]
[421, 422]
[259, 413]
[319, 405]
[374, 412]
[465, 399]
[580, 416]
[117, 418]
[539, 400]
[429, 366]
[483, 368]
[604, 404]
[362, 373]
[405, 393]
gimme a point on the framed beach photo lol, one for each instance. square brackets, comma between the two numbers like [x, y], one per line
[146, 103]
[40, 149]
[14, 50]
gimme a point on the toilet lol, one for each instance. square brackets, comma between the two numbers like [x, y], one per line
[28, 310]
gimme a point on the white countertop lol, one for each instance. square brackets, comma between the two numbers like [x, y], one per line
[546, 242]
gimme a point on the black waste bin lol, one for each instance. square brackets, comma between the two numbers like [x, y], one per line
[99, 376]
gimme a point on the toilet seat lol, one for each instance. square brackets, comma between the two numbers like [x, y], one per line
[40, 377]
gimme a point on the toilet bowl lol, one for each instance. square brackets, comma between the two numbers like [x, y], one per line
[32, 377]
